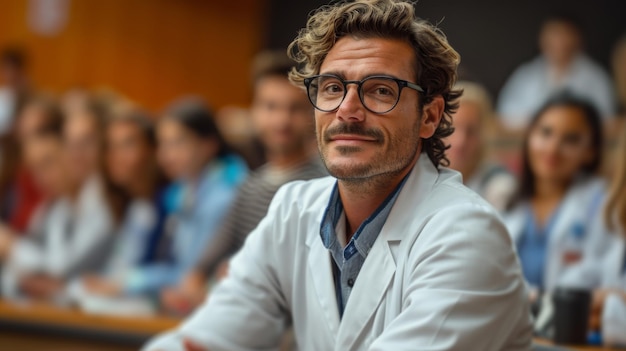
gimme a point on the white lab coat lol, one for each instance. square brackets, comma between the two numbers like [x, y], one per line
[614, 277]
[442, 275]
[578, 230]
[67, 240]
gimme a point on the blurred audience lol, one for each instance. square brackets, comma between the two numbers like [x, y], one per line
[609, 301]
[468, 147]
[71, 231]
[283, 120]
[556, 212]
[135, 188]
[206, 176]
[14, 85]
[603, 268]
[562, 65]
[18, 194]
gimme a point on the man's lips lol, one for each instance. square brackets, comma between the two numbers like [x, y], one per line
[351, 138]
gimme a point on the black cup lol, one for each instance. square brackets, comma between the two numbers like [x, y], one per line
[571, 315]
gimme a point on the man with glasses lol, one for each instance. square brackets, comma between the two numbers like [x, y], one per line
[392, 252]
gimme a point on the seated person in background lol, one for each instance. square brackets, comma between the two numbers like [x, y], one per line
[604, 266]
[43, 156]
[283, 120]
[20, 196]
[468, 147]
[562, 65]
[555, 213]
[206, 177]
[392, 252]
[134, 185]
[609, 301]
[70, 233]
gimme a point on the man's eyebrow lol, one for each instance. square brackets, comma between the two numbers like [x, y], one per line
[340, 74]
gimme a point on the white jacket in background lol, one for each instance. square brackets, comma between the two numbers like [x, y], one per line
[442, 275]
[66, 240]
[577, 231]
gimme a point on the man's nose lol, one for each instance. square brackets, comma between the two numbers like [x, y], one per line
[351, 108]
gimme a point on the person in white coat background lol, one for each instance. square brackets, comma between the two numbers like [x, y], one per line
[604, 269]
[609, 302]
[556, 214]
[392, 252]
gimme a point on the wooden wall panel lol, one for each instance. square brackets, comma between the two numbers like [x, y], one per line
[149, 50]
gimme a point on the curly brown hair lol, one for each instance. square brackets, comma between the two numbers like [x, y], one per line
[436, 61]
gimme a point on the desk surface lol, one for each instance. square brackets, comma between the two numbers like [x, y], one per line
[45, 314]
[42, 316]
[575, 348]
[42, 327]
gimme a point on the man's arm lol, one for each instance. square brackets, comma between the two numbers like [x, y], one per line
[464, 291]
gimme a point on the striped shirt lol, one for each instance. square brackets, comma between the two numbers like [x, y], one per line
[249, 208]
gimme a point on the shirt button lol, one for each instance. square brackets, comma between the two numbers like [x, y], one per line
[350, 282]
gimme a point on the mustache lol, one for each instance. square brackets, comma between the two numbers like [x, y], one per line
[354, 129]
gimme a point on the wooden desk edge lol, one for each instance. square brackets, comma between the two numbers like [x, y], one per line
[44, 314]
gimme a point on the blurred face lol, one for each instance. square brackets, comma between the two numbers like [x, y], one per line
[182, 154]
[30, 122]
[82, 144]
[560, 144]
[559, 42]
[357, 144]
[128, 153]
[466, 143]
[45, 160]
[282, 115]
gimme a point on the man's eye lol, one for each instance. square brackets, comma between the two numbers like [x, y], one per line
[383, 91]
[333, 88]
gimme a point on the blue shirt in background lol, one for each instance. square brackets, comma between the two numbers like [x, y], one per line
[196, 210]
[532, 247]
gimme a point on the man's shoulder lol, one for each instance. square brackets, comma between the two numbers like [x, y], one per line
[449, 192]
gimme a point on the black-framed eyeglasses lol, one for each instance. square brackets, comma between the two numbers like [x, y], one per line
[379, 94]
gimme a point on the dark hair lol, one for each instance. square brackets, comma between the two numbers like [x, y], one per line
[271, 63]
[198, 118]
[562, 99]
[13, 56]
[119, 198]
[435, 60]
[568, 19]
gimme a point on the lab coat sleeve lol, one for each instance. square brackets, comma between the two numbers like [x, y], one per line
[464, 289]
[247, 310]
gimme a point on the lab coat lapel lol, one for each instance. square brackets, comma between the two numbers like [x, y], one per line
[321, 271]
[367, 294]
[379, 267]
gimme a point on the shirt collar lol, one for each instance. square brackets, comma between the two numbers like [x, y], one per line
[365, 236]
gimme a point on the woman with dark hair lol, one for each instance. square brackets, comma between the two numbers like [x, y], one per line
[553, 216]
[205, 176]
[134, 187]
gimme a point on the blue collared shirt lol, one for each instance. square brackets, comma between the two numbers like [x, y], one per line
[348, 260]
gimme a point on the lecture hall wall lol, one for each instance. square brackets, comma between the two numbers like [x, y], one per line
[149, 50]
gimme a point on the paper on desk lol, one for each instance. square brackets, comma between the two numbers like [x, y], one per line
[118, 306]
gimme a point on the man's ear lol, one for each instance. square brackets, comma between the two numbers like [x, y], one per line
[431, 116]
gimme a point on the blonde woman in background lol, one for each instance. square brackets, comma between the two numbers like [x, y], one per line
[608, 311]
[468, 147]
